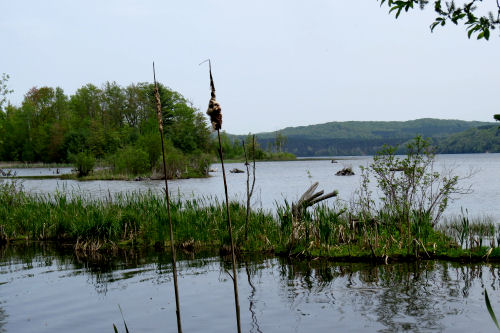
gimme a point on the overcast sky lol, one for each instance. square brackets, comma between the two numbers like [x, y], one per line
[275, 63]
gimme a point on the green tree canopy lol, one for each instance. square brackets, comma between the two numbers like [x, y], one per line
[4, 90]
[50, 126]
[479, 25]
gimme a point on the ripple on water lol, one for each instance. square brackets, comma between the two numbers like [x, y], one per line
[57, 292]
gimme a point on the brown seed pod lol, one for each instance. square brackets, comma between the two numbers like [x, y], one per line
[158, 108]
[214, 110]
[215, 114]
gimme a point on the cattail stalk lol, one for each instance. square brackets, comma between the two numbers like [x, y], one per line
[167, 198]
[214, 111]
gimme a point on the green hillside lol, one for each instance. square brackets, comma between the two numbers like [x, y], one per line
[367, 137]
[483, 139]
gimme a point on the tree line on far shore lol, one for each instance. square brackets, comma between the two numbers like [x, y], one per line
[112, 124]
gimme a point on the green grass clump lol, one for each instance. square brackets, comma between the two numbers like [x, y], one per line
[134, 217]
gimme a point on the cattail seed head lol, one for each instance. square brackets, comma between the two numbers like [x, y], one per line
[215, 113]
[158, 109]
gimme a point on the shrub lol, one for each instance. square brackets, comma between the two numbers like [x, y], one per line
[84, 163]
[131, 160]
[413, 194]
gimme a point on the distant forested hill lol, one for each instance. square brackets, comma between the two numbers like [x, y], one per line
[367, 137]
[482, 139]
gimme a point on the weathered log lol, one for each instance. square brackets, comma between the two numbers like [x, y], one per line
[299, 208]
[308, 199]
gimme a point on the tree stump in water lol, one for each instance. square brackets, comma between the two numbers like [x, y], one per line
[345, 172]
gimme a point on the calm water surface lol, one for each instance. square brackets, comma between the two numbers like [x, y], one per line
[44, 289]
[277, 181]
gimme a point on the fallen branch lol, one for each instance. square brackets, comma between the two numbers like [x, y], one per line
[308, 199]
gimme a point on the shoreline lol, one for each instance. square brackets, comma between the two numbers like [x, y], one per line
[82, 247]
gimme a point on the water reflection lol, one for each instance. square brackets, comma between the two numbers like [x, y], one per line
[280, 295]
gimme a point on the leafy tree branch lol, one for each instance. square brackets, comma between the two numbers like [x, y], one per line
[478, 25]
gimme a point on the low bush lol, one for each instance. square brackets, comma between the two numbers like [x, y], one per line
[84, 163]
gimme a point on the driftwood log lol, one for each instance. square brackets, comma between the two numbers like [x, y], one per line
[308, 199]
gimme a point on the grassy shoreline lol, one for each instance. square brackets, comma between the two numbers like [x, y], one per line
[21, 165]
[139, 221]
[106, 174]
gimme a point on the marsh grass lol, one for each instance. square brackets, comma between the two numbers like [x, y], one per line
[196, 169]
[133, 218]
[139, 219]
[16, 165]
[469, 232]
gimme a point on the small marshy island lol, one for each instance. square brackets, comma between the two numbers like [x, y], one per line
[401, 225]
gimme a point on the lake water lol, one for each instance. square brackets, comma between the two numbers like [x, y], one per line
[44, 289]
[49, 288]
[277, 181]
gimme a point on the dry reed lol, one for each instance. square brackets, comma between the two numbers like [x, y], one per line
[172, 245]
[215, 114]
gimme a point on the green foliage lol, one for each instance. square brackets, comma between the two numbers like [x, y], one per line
[470, 232]
[4, 90]
[413, 194]
[232, 148]
[410, 185]
[490, 309]
[450, 12]
[151, 144]
[108, 122]
[130, 160]
[84, 163]
[141, 219]
[135, 217]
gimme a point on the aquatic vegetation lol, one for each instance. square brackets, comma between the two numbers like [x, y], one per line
[490, 309]
[167, 199]
[471, 232]
[403, 225]
[140, 220]
[115, 329]
[215, 113]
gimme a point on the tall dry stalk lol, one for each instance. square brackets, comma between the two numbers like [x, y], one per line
[249, 189]
[167, 197]
[214, 112]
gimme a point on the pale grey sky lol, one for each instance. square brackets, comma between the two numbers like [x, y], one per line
[275, 63]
